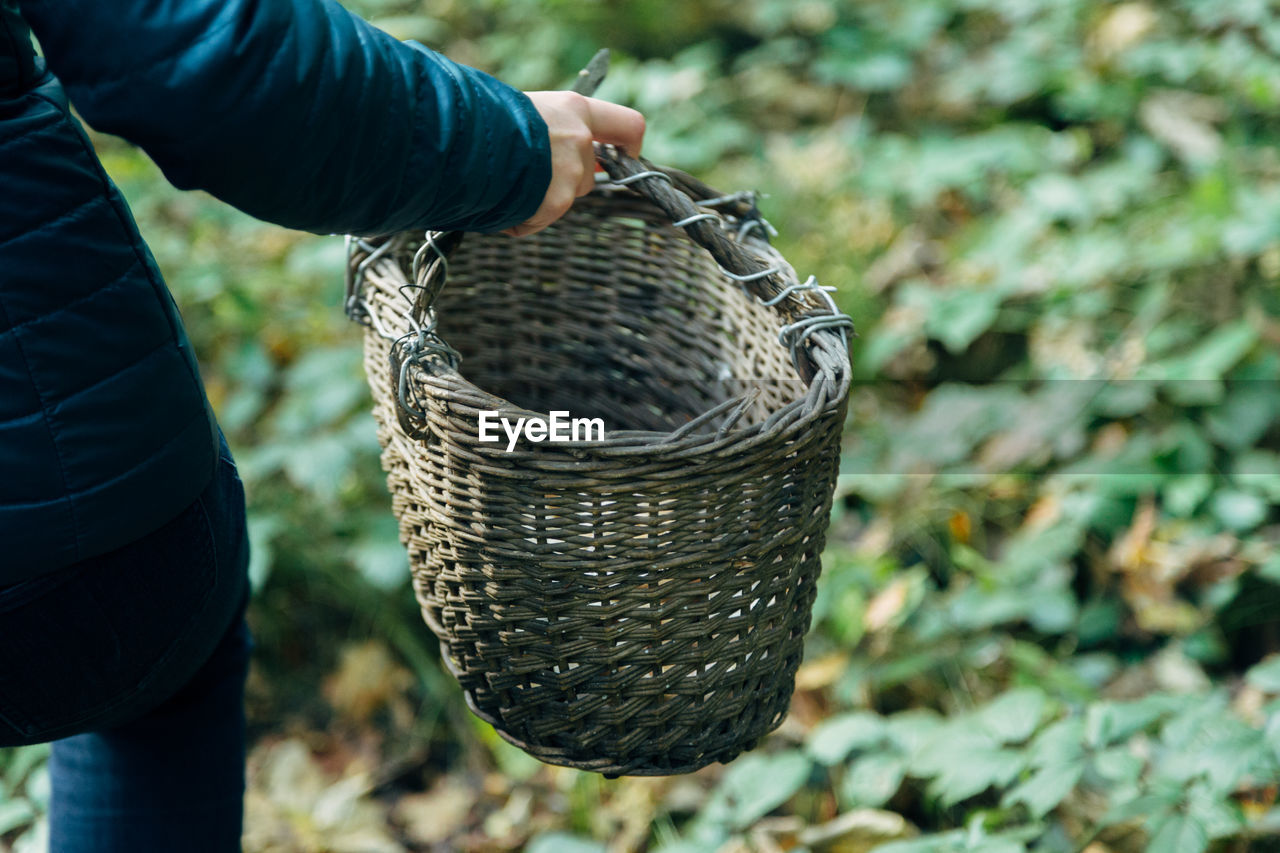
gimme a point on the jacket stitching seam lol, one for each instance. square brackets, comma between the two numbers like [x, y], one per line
[40, 396]
[28, 133]
[53, 441]
[112, 375]
[84, 297]
[16, 419]
[178, 434]
[60, 218]
[130, 237]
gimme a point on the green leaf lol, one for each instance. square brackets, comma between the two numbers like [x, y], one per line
[20, 762]
[39, 787]
[1179, 833]
[324, 386]
[1182, 495]
[944, 842]
[1100, 620]
[974, 608]
[421, 28]
[320, 465]
[1270, 569]
[957, 317]
[15, 813]
[832, 740]
[1014, 715]
[963, 764]
[952, 421]
[1109, 722]
[1125, 399]
[1220, 350]
[383, 564]
[1058, 196]
[317, 259]
[511, 760]
[690, 847]
[995, 844]
[1118, 764]
[378, 554]
[1045, 788]
[883, 343]
[1266, 675]
[1162, 797]
[1061, 743]
[910, 730]
[1222, 761]
[867, 71]
[1034, 663]
[755, 784]
[1248, 412]
[262, 533]
[1239, 511]
[1258, 471]
[1219, 815]
[1272, 734]
[872, 780]
[563, 842]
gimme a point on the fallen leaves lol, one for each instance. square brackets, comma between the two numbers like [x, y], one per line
[890, 603]
[294, 805]
[366, 681]
[1121, 28]
[437, 814]
[1184, 122]
[1154, 556]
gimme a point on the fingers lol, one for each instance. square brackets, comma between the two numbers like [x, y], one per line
[587, 182]
[571, 177]
[616, 125]
[558, 202]
[574, 122]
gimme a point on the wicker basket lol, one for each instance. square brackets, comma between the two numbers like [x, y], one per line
[635, 604]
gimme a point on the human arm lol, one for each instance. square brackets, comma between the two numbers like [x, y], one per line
[300, 113]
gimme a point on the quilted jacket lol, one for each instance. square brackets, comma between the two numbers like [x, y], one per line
[294, 111]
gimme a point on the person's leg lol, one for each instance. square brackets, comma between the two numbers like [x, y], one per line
[172, 780]
[167, 775]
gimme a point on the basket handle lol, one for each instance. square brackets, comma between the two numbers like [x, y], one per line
[679, 195]
[675, 192]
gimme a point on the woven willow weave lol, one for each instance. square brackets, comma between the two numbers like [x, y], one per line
[635, 605]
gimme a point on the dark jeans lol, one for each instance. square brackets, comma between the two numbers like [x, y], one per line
[134, 664]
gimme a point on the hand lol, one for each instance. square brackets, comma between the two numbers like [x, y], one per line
[574, 122]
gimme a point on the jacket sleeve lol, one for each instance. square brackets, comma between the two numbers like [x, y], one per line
[300, 113]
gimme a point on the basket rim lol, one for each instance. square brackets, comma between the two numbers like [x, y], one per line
[823, 393]
[816, 401]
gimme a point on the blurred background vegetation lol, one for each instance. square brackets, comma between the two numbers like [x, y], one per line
[1050, 611]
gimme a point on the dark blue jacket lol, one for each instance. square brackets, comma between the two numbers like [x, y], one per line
[294, 111]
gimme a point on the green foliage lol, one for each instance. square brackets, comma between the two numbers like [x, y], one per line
[24, 796]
